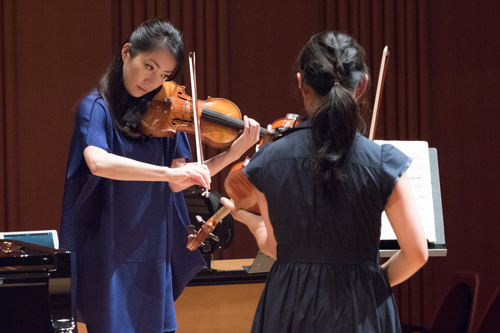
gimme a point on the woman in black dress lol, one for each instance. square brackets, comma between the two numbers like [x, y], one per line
[321, 192]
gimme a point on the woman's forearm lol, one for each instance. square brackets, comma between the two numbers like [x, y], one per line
[104, 164]
[400, 267]
[405, 220]
[219, 162]
[259, 225]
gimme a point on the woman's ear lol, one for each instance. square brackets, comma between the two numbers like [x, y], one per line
[125, 51]
[299, 79]
[305, 89]
[361, 86]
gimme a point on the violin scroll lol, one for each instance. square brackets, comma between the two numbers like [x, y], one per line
[197, 238]
[279, 128]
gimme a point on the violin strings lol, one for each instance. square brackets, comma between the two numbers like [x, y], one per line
[215, 117]
[225, 120]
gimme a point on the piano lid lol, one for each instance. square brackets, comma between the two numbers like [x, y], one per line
[17, 256]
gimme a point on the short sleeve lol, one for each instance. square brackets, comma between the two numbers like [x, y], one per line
[253, 170]
[182, 148]
[92, 128]
[394, 164]
[91, 125]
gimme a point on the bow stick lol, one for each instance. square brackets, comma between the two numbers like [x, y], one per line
[380, 85]
[199, 153]
[205, 231]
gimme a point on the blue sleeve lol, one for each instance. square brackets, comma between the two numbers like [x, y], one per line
[182, 148]
[97, 130]
[393, 165]
[92, 128]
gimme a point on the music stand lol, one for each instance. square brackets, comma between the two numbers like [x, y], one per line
[437, 248]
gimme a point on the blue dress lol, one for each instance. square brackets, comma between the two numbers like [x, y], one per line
[129, 237]
[327, 277]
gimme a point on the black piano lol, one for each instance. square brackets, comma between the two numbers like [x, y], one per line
[35, 294]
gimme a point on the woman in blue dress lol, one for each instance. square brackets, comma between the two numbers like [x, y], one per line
[321, 191]
[124, 216]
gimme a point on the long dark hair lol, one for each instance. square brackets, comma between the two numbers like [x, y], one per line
[152, 35]
[332, 64]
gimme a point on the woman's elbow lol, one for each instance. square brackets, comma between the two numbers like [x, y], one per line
[420, 257]
[423, 251]
[94, 166]
[424, 257]
[269, 250]
[269, 253]
[94, 161]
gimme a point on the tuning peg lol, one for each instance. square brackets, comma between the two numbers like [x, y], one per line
[200, 219]
[206, 247]
[191, 229]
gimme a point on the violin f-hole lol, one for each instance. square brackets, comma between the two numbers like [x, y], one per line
[182, 120]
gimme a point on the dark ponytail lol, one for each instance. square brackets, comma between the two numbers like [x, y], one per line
[332, 64]
[152, 35]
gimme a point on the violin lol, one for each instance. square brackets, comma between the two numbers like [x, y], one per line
[172, 110]
[243, 193]
[238, 187]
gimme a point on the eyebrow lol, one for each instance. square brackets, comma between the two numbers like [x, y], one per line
[159, 65]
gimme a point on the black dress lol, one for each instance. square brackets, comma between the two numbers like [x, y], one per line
[327, 277]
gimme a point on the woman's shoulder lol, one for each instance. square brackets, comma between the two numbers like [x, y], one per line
[365, 150]
[91, 103]
[91, 99]
[92, 106]
[294, 144]
[372, 154]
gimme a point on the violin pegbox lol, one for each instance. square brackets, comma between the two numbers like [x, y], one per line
[197, 238]
[200, 219]
[279, 128]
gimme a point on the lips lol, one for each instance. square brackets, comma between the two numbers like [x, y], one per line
[141, 89]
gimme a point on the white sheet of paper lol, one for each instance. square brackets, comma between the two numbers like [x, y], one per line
[419, 173]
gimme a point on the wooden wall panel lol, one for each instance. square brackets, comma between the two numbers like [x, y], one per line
[59, 49]
[464, 89]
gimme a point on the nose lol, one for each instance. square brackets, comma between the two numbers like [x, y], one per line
[153, 81]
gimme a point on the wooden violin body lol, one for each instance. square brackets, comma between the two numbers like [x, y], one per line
[238, 187]
[171, 110]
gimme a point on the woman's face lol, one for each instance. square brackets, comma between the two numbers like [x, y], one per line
[146, 71]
